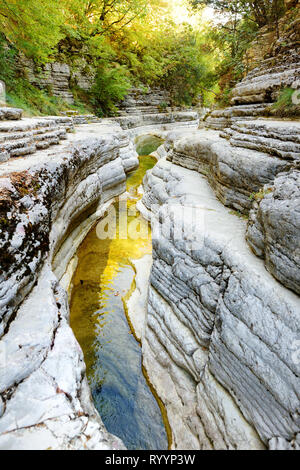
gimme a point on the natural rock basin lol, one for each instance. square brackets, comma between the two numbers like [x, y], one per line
[104, 276]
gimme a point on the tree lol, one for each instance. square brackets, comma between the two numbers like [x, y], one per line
[126, 42]
[263, 12]
[33, 26]
[99, 17]
[110, 87]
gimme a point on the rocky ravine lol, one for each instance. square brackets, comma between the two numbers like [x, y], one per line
[221, 334]
[45, 399]
[221, 328]
[49, 200]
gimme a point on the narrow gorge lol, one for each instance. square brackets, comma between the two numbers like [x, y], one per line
[150, 272]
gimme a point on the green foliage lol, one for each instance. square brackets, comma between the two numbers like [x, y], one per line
[183, 67]
[163, 106]
[284, 105]
[263, 12]
[111, 86]
[128, 42]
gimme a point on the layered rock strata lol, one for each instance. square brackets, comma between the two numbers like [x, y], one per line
[7, 113]
[263, 83]
[85, 119]
[179, 118]
[44, 397]
[139, 101]
[220, 336]
[221, 118]
[23, 137]
[238, 168]
[283, 38]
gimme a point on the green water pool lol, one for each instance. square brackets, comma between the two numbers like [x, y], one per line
[113, 357]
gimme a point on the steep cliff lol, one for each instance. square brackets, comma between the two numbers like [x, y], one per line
[45, 199]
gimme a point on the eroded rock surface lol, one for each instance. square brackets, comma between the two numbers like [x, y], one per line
[221, 332]
[19, 138]
[274, 59]
[45, 399]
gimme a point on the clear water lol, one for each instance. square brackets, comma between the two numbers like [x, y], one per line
[113, 357]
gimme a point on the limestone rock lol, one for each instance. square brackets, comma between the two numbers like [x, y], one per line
[43, 385]
[45, 399]
[144, 101]
[270, 76]
[49, 182]
[13, 114]
[133, 121]
[54, 75]
[277, 138]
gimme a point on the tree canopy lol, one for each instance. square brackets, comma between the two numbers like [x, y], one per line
[135, 42]
[263, 12]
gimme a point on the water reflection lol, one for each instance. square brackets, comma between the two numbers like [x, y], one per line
[103, 277]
